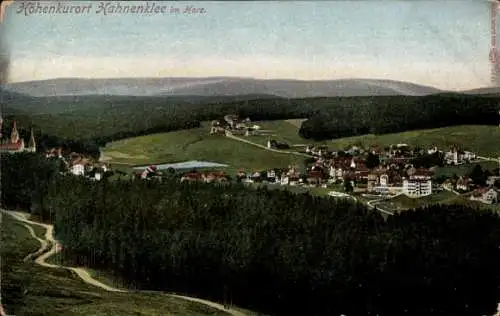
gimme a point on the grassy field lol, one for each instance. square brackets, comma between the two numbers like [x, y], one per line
[195, 144]
[476, 138]
[296, 122]
[282, 131]
[479, 139]
[58, 292]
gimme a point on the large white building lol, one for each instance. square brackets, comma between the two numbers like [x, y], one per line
[417, 185]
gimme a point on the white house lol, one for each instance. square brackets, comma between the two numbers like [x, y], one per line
[271, 174]
[332, 172]
[284, 180]
[463, 184]
[451, 157]
[384, 180]
[469, 156]
[78, 169]
[417, 186]
[432, 150]
[487, 196]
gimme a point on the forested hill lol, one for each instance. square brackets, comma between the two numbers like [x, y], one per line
[81, 103]
[397, 114]
[96, 120]
[274, 252]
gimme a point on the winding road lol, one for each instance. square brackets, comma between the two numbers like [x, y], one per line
[49, 242]
[372, 204]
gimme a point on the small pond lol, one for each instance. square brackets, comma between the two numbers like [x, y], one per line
[193, 164]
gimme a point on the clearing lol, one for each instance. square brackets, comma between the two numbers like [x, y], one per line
[476, 138]
[195, 144]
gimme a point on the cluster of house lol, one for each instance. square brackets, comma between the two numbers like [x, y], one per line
[393, 174]
[453, 156]
[487, 194]
[233, 125]
[396, 174]
[78, 164]
[207, 177]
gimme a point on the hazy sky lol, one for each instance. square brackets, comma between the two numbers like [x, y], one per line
[436, 42]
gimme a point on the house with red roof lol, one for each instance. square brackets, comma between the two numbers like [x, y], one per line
[485, 195]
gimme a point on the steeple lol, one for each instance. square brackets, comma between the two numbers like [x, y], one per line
[14, 135]
[31, 143]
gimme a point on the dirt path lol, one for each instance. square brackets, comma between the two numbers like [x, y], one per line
[50, 242]
[373, 202]
[269, 149]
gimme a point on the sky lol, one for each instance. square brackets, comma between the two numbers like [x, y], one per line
[440, 43]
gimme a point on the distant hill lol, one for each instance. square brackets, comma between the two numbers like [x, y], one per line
[486, 90]
[79, 103]
[7, 95]
[218, 86]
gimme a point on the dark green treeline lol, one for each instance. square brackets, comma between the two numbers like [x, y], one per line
[276, 252]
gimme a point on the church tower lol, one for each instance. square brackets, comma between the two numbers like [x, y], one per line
[14, 135]
[31, 143]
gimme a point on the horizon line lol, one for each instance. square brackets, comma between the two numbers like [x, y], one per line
[234, 77]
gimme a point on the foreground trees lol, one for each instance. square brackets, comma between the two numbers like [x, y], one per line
[278, 252]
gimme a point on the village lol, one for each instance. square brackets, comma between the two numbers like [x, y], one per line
[395, 170]
[398, 169]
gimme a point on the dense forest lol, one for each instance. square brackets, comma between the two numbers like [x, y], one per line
[275, 252]
[86, 123]
[92, 121]
[382, 115]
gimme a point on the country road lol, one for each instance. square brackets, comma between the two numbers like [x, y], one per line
[372, 204]
[266, 148]
[50, 242]
[487, 158]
